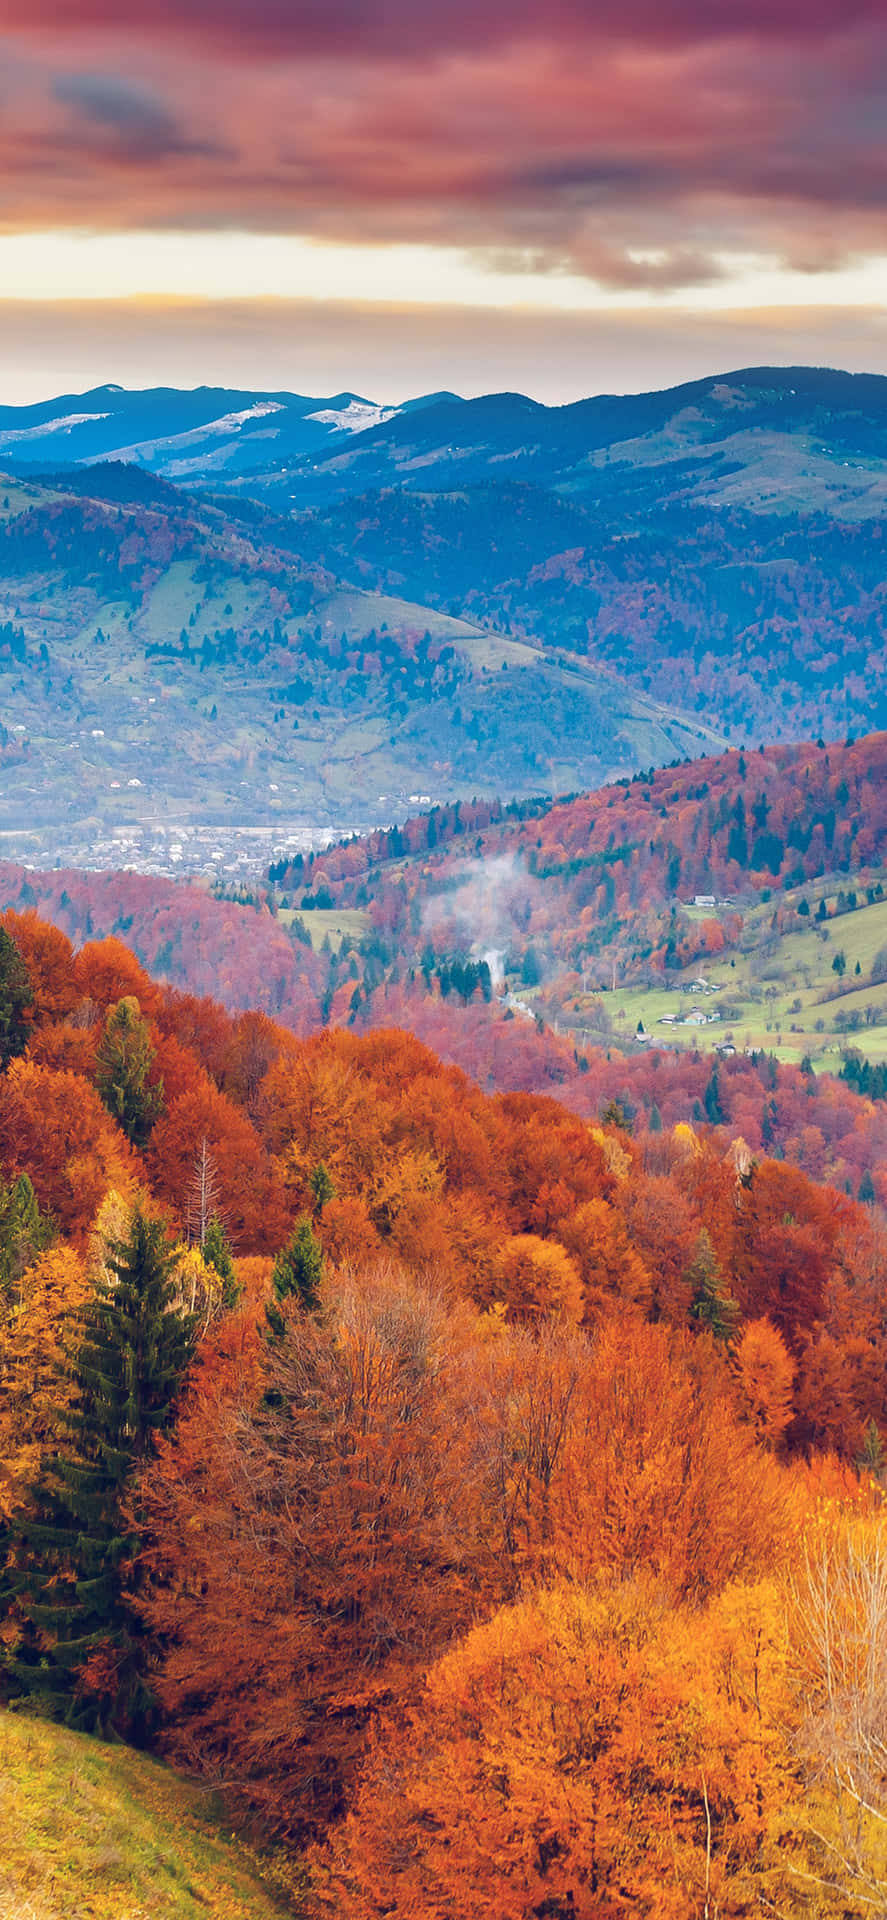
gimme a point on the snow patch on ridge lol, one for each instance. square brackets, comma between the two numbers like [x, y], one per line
[356, 417]
[9, 435]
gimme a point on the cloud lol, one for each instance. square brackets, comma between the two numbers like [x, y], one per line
[137, 125]
[635, 143]
[401, 29]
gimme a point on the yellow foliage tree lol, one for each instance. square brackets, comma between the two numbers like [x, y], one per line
[35, 1386]
[535, 1277]
[199, 1288]
[611, 1269]
[585, 1752]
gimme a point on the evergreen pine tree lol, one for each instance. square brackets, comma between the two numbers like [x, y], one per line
[123, 1062]
[322, 1187]
[297, 1272]
[711, 1306]
[217, 1253]
[870, 1458]
[24, 1230]
[16, 999]
[713, 1106]
[77, 1637]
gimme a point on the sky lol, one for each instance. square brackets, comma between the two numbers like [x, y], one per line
[392, 196]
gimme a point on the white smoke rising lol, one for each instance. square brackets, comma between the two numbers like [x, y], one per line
[486, 908]
[494, 958]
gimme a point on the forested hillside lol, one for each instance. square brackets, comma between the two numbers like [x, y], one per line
[463, 1486]
[162, 661]
[528, 944]
[730, 825]
[719, 545]
[756, 879]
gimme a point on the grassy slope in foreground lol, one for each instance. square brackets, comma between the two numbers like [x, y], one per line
[100, 1830]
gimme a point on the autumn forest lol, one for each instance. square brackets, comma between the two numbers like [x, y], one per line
[487, 1500]
[443, 1341]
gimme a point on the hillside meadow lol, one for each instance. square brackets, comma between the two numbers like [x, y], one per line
[88, 1828]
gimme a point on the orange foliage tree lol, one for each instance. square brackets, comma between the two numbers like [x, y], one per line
[315, 1539]
[105, 971]
[49, 958]
[765, 1376]
[250, 1199]
[585, 1752]
[54, 1127]
[532, 1277]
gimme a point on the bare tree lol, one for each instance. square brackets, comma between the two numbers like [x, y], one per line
[202, 1200]
[839, 1629]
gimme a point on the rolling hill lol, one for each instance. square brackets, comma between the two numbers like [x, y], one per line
[166, 663]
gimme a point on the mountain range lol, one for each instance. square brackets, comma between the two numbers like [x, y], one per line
[188, 436]
[770, 439]
[718, 546]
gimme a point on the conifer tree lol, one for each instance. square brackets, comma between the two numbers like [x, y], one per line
[870, 1458]
[297, 1272]
[77, 1636]
[711, 1305]
[16, 998]
[322, 1186]
[217, 1253]
[123, 1062]
[713, 1104]
[24, 1230]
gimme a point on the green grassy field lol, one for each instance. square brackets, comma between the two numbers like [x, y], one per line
[93, 1830]
[781, 993]
[16, 499]
[337, 924]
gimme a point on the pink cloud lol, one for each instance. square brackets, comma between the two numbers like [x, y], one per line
[569, 133]
[402, 28]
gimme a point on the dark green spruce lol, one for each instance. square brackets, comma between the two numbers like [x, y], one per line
[123, 1065]
[78, 1638]
[297, 1273]
[16, 1000]
[712, 1305]
[24, 1231]
[217, 1253]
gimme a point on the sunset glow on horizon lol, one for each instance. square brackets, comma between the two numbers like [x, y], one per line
[567, 161]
